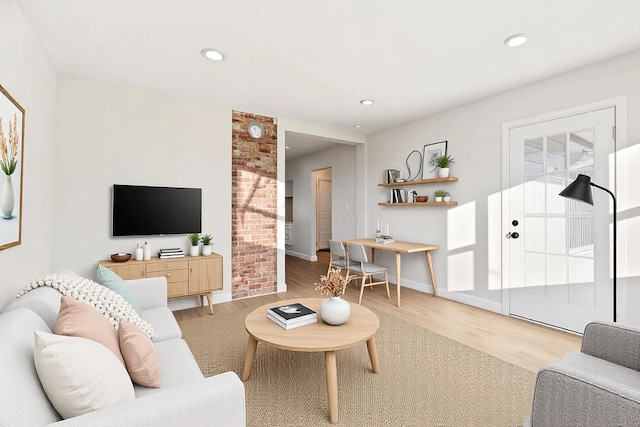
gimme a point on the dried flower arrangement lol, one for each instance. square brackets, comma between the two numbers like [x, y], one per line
[333, 284]
[9, 150]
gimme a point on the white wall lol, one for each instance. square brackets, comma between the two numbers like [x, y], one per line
[474, 135]
[342, 160]
[26, 74]
[113, 135]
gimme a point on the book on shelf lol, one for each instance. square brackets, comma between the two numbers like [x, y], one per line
[174, 255]
[287, 326]
[292, 313]
[171, 251]
[388, 240]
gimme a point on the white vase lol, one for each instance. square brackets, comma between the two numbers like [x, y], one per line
[7, 197]
[447, 198]
[147, 252]
[139, 254]
[443, 172]
[438, 199]
[334, 311]
[207, 250]
[194, 250]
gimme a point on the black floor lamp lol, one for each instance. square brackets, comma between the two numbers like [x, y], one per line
[580, 190]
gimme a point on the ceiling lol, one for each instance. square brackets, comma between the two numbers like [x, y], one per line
[314, 61]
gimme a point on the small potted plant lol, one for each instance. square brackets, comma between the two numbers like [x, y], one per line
[194, 238]
[443, 162]
[207, 244]
[440, 194]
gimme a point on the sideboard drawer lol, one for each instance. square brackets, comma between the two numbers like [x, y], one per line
[167, 265]
[172, 276]
[177, 289]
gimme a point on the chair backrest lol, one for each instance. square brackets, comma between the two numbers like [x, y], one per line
[337, 249]
[356, 252]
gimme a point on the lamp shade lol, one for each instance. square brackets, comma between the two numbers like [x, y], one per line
[580, 190]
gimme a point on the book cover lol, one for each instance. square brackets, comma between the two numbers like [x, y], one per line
[291, 325]
[163, 256]
[292, 311]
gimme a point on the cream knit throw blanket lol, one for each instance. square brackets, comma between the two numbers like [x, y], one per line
[111, 304]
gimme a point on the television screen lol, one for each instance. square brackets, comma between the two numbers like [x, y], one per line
[142, 211]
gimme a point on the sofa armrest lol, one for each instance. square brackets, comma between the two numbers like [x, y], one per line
[614, 343]
[214, 401]
[150, 292]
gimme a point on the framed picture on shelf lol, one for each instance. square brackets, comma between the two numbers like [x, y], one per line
[430, 153]
[11, 161]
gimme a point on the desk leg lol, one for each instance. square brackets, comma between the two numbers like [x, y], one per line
[398, 268]
[373, 255]
[433, 277]
[373, 354]
[248, 360]
[332, 385]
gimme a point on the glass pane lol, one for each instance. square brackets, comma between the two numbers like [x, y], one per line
[534, 195]
[535, 235]
[555, 184]
[533, 157]
[581, 276]
[556, 232]
[557, 277]
[581, 236]
[555, 154]
[581, 150]
[534, 274]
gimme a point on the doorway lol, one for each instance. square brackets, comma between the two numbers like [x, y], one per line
[557, 267]
[323, 179]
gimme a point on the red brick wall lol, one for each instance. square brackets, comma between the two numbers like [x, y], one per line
[254, 207]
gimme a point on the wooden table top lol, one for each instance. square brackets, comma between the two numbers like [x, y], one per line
[362, 325]
[405, 247]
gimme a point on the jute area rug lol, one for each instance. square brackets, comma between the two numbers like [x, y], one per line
[425, 379]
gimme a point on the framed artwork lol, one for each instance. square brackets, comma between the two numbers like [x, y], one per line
[11, 169]
[430, 152]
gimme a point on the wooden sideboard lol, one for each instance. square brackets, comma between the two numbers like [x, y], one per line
[188, 276]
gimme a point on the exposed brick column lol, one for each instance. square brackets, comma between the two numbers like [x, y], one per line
[254, 207]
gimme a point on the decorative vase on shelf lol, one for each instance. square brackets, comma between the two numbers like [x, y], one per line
[334, 311]
[139, 253]
[194, 250]
[7, 198]
[207, 250]
[438, 199]
[447, 199]
[147, 251]
[443, 172]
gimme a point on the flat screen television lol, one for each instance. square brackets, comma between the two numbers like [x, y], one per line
[142, 210]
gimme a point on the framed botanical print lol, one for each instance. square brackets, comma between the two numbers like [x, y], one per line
[430, 153]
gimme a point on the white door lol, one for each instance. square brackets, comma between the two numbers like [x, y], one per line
[559, 260]
[323, 215]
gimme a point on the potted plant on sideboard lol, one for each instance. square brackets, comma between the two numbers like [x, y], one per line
[207, 244]
[440, 194]
[194, 238]
[443, 162]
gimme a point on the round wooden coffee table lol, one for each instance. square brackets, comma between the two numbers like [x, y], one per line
[361, 327]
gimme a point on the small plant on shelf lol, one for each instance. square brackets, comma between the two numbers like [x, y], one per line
[194, 238]
[444, 160]
[439, 194]
[206, 239]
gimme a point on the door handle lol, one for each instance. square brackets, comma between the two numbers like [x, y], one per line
[513, 235]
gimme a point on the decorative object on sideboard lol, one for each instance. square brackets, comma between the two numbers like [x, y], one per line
[139, 253]
[194, 238]
[11, 161]
[431, 152]
[207, 244]
[146, 249]
[440, 194]
[444, 161]
[120, 257]
[333, 310]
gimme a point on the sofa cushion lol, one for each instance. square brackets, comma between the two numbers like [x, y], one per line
[111, 280]
[164, 323]
[139, 355]
[79, 375]
[23, 402]
[45, 302]
[78, 319]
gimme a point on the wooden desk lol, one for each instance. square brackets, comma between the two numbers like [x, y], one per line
[400, 248]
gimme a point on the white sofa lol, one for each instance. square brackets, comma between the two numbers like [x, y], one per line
[185, 398]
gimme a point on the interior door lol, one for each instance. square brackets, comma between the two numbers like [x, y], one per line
[323, 208]
[558, 249]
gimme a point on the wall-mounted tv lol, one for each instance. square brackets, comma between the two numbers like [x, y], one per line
[142, 210]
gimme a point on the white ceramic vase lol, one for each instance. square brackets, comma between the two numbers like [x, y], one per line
[438, 199]
[207, 250]
[147, 252]
[7, 198]
[443, 172]
[194, 250]
[139, 254]
[334, 311]
[447, 198]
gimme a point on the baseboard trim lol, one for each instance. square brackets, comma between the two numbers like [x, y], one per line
[305, 257]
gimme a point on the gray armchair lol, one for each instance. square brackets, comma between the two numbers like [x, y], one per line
[596, 386]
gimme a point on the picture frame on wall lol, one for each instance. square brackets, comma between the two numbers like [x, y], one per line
[430, 153]
[11, 169]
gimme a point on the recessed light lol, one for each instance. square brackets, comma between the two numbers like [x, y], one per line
[366, 102]
[212, 54]
[357, 126]
[515, 40]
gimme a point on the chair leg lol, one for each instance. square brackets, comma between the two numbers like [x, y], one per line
[362, 289]
[386, 282]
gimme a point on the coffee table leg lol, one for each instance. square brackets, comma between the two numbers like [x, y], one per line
[332, 385]
[248, 360]
[373, 354]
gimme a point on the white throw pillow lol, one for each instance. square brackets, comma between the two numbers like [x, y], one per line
[79, 375]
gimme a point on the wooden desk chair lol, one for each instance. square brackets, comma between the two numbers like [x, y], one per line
[338, 258]
[361, 267]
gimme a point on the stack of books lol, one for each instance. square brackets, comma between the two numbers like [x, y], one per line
[292, 315]
[170, 253]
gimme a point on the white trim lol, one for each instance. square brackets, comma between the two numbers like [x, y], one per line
[312, 258]
[281, 288]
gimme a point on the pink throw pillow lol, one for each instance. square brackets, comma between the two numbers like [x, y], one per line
[140, 356]
[79, 319]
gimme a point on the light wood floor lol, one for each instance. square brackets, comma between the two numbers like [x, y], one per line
[516, 341]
